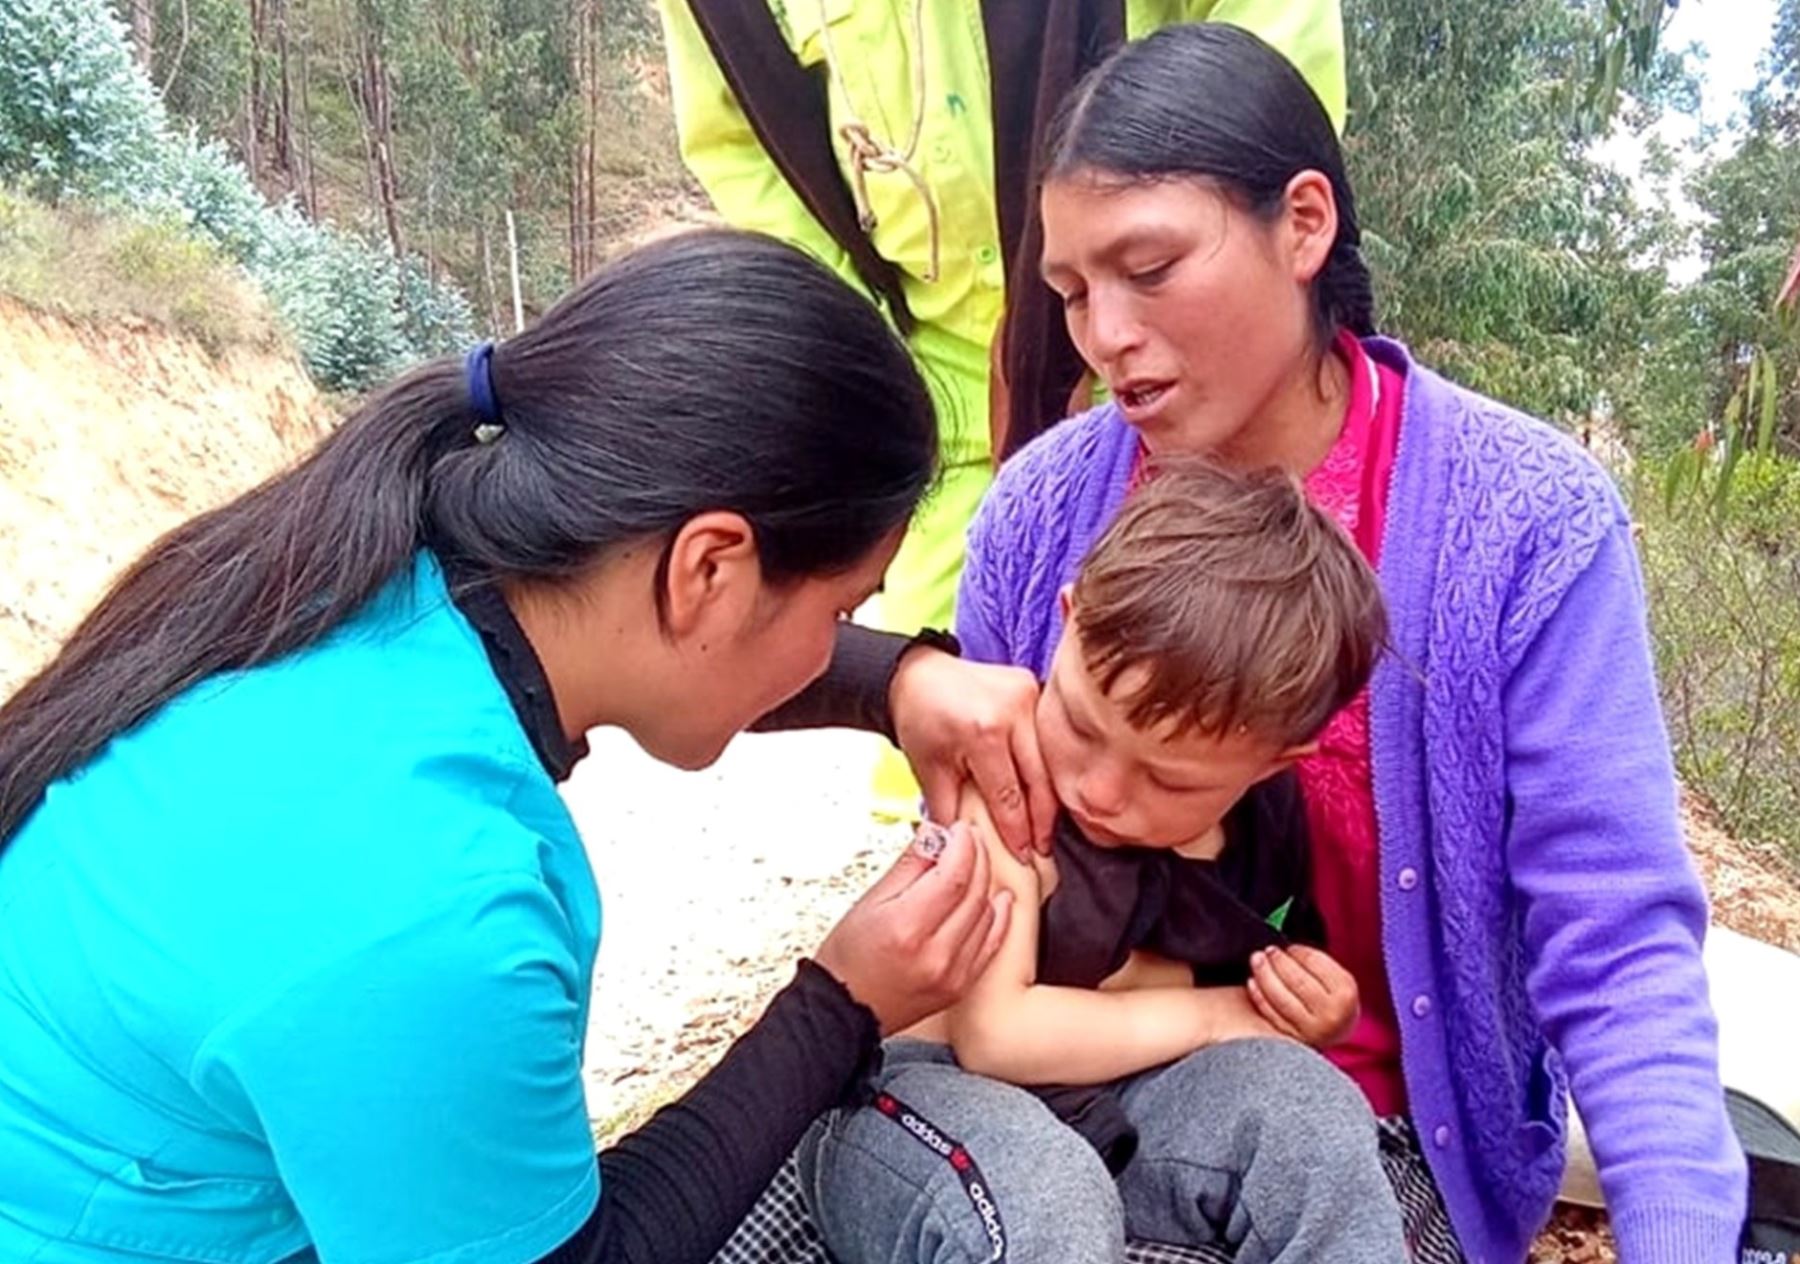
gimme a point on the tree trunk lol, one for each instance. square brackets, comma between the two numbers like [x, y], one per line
[309, 179]
[254, 133]
[372, 92]
[353, 91]
[584, 162]
[578, 74]
[143, 32]
[431, 183]
[591, 208]
[575, 218]
[283, 137]
[512, 250]
[381, 100]
[487, 276]
[181, 46]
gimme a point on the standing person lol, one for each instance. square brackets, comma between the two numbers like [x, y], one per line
[296, 935]
[894, 141]
[1498, 852]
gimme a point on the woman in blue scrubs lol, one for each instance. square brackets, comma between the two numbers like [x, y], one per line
[296, 935]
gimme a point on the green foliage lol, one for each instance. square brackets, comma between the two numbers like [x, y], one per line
[1742, 343]
[1625, 48]
[1511, 258]
[1724, 586]
[342, 295]
[1720, 495]
[202, 55]
[432, 314]
[490, 113]
[1502, 250]
[1707, 470]
[79, 118]
[75, 114]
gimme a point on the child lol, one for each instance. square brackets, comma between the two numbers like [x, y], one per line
[1212, 632]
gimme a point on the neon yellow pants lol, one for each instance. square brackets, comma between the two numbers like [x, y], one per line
[920, 592]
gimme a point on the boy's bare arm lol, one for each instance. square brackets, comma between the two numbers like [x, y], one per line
[1013, 1028]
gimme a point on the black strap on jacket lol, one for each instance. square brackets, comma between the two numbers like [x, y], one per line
[1037, 51]
[787, 108]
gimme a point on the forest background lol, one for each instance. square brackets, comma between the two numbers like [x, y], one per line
[377, 181]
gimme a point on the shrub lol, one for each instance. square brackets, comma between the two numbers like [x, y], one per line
[1724, 587]
[76, 115]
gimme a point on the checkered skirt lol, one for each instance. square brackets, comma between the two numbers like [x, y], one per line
[778, 1230]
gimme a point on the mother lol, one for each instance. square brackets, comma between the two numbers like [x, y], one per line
[296, 936]
[1500, 858]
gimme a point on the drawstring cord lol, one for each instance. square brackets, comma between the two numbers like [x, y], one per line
[870, 155]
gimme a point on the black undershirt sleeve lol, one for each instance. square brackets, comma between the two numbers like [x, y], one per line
[674, 1191]
[853, 692]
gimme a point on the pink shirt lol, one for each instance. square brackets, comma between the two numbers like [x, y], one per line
[1351, 484]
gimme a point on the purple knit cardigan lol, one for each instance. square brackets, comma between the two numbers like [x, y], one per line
[1541, 920]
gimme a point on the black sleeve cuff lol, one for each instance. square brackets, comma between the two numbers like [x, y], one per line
[853, 692]
[821, 988]
[674, 1191]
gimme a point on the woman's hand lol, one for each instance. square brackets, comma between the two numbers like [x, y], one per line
[1304, 994]
[921, 935]
[960, 721]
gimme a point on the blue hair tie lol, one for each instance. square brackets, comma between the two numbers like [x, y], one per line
[478, 368]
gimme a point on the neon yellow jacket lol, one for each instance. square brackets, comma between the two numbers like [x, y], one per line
[868, 48]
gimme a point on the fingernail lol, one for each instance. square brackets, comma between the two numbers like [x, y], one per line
[930, 839]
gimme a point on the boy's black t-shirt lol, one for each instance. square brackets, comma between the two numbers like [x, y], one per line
[1210, 914]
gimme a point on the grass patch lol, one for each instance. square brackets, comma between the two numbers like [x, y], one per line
[90, 265]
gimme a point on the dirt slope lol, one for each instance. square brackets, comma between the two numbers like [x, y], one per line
[108, 437]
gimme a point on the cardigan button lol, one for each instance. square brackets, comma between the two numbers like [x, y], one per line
[1421, 1007]
[1409, 878]
[1441, 1138]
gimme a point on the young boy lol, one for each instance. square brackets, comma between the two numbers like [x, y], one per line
[1211, 633]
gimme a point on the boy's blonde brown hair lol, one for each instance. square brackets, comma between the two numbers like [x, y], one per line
[1235, 604]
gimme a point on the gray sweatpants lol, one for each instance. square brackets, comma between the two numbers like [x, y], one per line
[1258, 1146]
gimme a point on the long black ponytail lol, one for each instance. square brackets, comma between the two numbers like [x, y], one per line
[717, 370]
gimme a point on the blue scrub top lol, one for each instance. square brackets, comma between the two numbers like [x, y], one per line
[300, 966]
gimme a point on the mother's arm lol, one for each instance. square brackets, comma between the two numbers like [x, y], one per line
[1614, 916]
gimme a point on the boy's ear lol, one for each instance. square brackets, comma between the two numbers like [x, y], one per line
[1065, 597]
[1292, 755]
